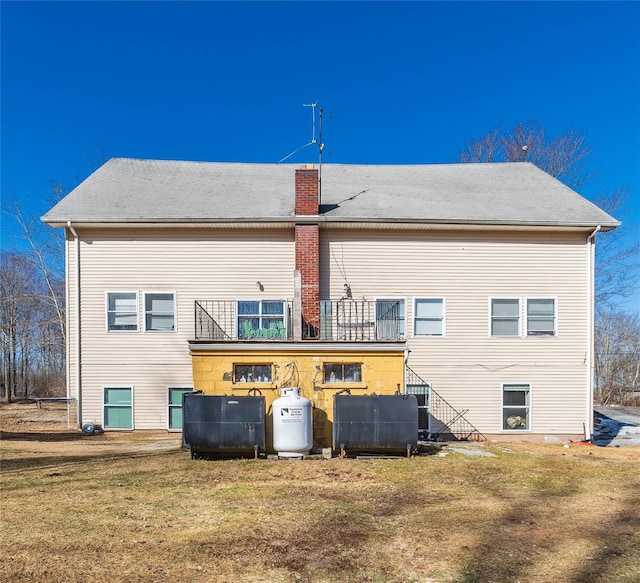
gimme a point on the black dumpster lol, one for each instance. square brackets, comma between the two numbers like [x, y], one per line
[376, 424]
[223, 426]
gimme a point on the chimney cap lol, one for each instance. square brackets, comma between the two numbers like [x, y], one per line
[306, 167]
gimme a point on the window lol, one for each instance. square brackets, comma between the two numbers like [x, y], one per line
[261, 319]
[159, 312]
[422, 393]
[122, 311]
[251, 373]
[505, 317]
[390, 319]
[515, 407]
[343, 373]
[541, 317]
[175, 407]
[428, 318]
[118, 408]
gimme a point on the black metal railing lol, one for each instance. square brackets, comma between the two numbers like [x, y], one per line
[344, 320]
[220, 320]
[350, 320]
[444, 421]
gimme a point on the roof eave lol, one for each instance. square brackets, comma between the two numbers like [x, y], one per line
[281, 222]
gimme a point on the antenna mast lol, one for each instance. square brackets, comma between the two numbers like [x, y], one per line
[320, 148]
[314, 140]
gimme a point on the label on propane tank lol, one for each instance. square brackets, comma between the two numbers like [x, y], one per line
[291, 414]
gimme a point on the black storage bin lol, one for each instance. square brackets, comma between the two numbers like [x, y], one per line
[223, 426]
[377, 424]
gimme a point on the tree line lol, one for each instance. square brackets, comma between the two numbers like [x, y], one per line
[32, 310]
[32, 293]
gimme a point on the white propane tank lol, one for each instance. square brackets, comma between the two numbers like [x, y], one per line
[292, 424]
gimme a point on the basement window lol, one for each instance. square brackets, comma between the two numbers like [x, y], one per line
[343, 373]
[422, 393]
[251, 373]
[118, 407]
[516, 399]
[175, 407]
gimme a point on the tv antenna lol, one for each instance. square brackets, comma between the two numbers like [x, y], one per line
[316, 139]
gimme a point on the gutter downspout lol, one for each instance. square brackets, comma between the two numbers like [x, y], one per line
[404, 368]
[76, 293]
[591, 261]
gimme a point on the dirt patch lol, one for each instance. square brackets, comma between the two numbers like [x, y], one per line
[42, 437]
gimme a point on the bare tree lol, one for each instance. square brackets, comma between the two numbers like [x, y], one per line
[617, 256]
[16, 303]
[32, 310]
[567, 158]
[46, 252]
[617, 358]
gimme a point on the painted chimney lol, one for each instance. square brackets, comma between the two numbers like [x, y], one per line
[307, 245]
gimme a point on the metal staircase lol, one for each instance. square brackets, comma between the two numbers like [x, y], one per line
[438, 420]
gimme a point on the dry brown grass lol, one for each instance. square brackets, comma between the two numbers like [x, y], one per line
[123, 507]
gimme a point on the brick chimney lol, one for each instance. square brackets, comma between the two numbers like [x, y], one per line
[307, 246]
[307, 190]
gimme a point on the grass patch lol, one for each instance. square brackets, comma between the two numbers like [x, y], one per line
[136, 508]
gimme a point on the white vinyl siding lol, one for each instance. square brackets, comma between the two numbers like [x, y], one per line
[428, 317]
[505, 317]
[122, 311]
[197, 263]
[466, 367]
[541, 317]
[159, 312]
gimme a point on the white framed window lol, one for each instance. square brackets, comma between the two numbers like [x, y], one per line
[264, 319]
[390, 318]
[541, 317]
[516, 406]
[174, 417]
[505, 317]
[429, 317]
[122, 311]
[118, 407]
[160, 312]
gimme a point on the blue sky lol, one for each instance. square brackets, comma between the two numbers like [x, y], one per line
[400, 83]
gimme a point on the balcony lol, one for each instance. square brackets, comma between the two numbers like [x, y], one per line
[345, 320]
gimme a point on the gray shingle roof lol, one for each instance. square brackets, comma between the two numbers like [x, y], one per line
[131, 190]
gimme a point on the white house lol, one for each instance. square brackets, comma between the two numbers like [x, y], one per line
[479, 277]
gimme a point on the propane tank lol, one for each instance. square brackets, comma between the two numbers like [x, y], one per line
[292, 424]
